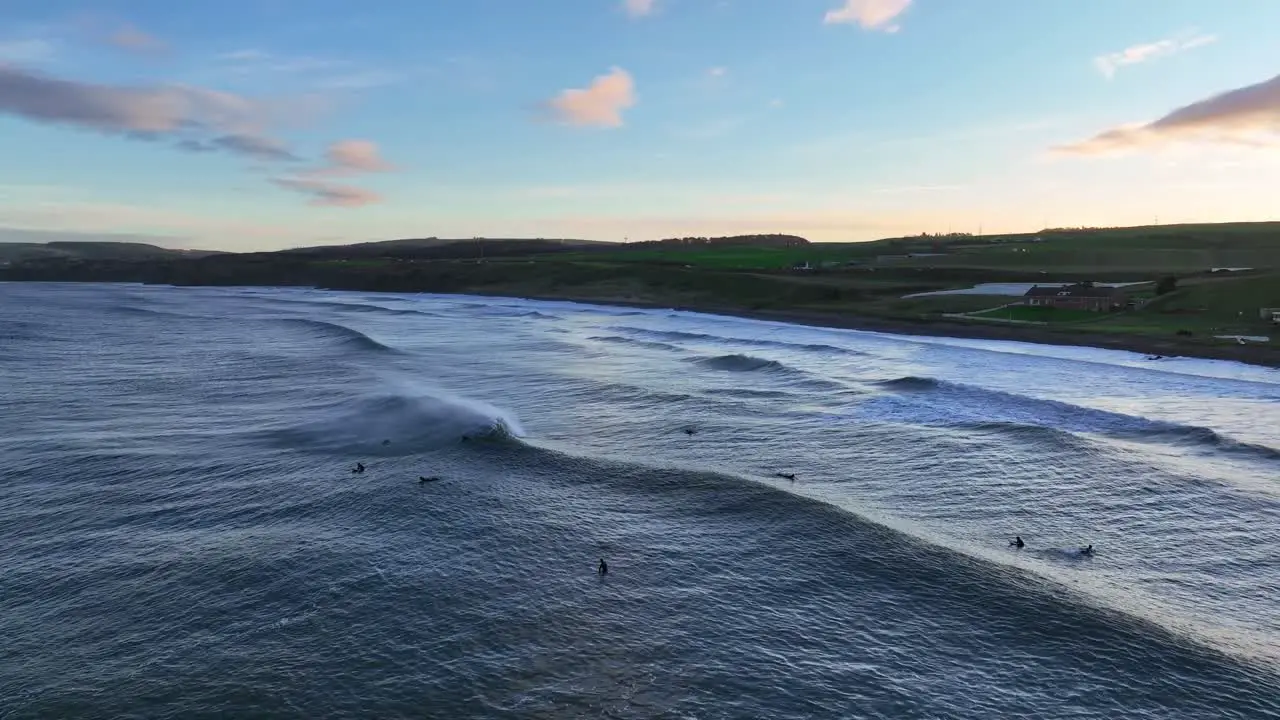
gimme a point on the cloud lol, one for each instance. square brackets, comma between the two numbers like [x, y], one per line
[638, 8]
[1111, 62]
[26, 52]
[328, 194]
[1248, 116]
[356, 156]
[130, 38]
[343, 158]
[189, 116]
[600, 104]
[870, 14]
[320, 73]
[718, 72]
[260, 148]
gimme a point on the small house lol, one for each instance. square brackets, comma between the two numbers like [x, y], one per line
[1080, 296]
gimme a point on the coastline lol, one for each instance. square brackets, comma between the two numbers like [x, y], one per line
[1250, 354]
[1254, 354]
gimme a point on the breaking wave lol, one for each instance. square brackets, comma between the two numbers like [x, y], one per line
[401, 424]
[740, 363]
[998, 410]
[343, 334]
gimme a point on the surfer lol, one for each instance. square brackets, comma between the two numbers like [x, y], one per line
[359, 468]
[787, 476]
[603, 569]
[1088, 551]
[689, 431]
[1017, 542]
[424, 480]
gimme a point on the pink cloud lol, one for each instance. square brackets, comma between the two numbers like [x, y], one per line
[328, 194]
[191, 117]
[1244, 116]
[600, 104]
[345, 157]
[132, 39]
[638, 8]
[870, 14]
[357, 156]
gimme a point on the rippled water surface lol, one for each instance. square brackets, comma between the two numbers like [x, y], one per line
[181, 535]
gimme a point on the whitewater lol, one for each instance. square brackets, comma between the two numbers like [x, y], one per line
[181, 535]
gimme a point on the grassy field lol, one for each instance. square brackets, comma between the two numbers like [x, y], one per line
[1023, 313]
[1145, 252]
[867, 281]
[1142, 253]
[729, 258]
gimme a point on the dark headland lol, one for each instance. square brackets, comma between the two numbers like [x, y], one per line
[1190, 290]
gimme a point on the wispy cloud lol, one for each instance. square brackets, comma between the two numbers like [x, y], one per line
[192, 119]
[638, 8]
[870, 14]
[183, 114]
[329, 194]
[130, 38]
[30, 51]
[1247, 116]
[318, 72]
[343, 158]
[1111, 62]
[600, 104]
[717, 72]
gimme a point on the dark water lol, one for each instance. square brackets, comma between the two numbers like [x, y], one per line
[180, 535]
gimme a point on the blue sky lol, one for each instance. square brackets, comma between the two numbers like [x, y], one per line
[259, 124]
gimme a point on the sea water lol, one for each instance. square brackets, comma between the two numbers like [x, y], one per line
[181, 535]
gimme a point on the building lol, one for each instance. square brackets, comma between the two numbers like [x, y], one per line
[1081, 296]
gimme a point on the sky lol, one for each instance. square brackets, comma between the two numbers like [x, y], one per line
[263, 124]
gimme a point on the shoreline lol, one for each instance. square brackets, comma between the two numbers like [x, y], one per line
[1256, 355]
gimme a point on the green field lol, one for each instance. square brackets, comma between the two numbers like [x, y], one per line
[1023, 313]
[858, 281]
[1142, 253]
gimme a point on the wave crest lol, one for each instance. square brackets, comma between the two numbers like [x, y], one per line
[410, 422]
[345, 335]
[739, 363]
[1024, 415]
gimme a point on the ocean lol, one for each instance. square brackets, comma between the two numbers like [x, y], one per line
[182, 535]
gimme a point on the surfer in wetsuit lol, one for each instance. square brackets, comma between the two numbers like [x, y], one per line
[1087, 551]
[359, 468]
[1017, 541]
[787, 476]
[424, 480]
[603, 569]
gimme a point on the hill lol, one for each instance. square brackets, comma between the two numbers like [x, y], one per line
[20, 252]
[868, 285]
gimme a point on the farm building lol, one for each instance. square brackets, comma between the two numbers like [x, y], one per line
[1081, 296]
